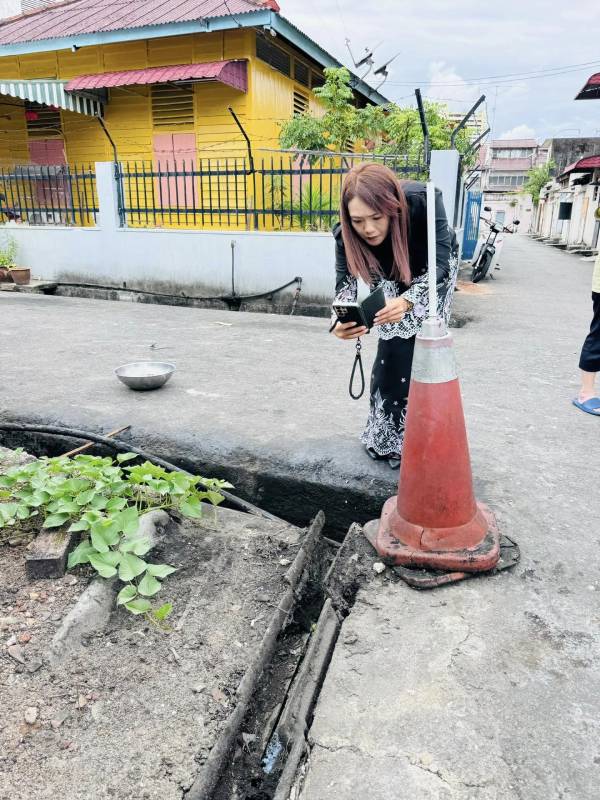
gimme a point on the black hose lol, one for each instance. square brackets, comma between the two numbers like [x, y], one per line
[224, 298]
[125, 447]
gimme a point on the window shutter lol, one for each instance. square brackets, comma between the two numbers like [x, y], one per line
[301, 73]
[273, 55]
[300, 103]
[172, 106]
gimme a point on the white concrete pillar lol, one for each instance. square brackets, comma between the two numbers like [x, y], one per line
[444, 173]
[108, 196]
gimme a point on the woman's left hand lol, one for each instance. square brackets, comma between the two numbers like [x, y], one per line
[394, 311]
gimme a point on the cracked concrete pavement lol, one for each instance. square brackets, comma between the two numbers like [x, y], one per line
[490, 689]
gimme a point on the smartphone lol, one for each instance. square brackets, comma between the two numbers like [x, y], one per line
[349, 312]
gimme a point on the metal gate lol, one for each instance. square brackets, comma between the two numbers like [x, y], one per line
[472, 212]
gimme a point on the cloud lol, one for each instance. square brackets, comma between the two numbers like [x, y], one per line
[519, 132]
[447, 86]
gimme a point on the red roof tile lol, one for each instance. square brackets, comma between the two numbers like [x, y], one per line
[233, 73]
[77, 17]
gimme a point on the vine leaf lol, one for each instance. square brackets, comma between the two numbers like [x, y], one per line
[148, 586]
[139, 606]
[127, 594]
[130, 567]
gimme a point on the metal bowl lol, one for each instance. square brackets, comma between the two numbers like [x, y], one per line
[144, 375]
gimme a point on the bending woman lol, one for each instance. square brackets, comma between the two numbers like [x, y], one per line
[382, 239]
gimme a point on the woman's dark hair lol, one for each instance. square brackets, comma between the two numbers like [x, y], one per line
[377, 187]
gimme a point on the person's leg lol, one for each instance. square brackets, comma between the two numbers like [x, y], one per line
[390, 381]
[588, 380]
[589, 362]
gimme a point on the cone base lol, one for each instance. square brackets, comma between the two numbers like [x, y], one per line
[442, 552]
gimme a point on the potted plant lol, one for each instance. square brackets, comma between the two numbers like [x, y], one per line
[8, 268]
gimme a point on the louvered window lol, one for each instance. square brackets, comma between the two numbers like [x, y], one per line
[300, 103]
[172, 106]
[43, 122]
[301, 73]
[273, 55]
[317, 79]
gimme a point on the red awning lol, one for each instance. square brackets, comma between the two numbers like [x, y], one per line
[586, 164]
[231, 73]
[591, 91]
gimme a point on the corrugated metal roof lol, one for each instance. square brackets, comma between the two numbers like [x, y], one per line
[583, 165]
[52, 93]
[77, 17]
[233, 73]
[591, 90]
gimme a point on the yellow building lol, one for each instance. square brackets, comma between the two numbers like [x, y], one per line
[80, 81]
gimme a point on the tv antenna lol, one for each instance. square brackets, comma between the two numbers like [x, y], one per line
[383, 70]
[367, 60]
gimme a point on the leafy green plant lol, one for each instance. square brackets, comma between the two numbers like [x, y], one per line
[313, 205]
[8, 252]
[104, 501]
[537, 178]
[388, 130]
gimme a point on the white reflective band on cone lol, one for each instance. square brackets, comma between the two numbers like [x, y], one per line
[434, 364]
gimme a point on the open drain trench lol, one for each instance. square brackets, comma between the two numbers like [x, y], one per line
[264, 740]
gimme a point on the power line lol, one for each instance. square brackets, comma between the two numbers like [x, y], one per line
[507, 78]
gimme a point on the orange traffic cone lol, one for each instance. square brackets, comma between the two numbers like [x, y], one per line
[434, 522]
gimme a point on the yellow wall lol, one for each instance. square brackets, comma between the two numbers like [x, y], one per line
[128, 113]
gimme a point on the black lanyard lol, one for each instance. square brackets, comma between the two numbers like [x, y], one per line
[357, 362]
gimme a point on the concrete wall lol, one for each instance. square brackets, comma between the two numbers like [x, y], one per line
[109, 254]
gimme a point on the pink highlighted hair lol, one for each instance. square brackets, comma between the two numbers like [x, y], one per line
[378, 188]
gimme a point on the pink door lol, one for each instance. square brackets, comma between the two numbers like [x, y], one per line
[175, 152]
[51, 189]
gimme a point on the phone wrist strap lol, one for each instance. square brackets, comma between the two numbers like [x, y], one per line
[357, 362]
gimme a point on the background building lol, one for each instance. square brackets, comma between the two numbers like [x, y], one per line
[503, 166]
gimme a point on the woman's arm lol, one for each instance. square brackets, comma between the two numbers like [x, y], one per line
[415, 300]
[346, 291]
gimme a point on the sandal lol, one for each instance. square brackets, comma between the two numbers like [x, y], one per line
[590, 406]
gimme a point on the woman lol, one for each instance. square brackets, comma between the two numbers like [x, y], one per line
[382, 239]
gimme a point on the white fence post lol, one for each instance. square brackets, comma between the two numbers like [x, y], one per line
[108, 196]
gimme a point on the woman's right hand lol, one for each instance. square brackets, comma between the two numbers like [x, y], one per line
[349, 330]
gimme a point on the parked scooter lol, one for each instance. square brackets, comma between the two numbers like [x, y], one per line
[490, 247]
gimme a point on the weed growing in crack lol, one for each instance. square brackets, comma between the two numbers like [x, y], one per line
[104, 501]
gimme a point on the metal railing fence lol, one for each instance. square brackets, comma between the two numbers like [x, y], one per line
[280, 192]
[49, 195]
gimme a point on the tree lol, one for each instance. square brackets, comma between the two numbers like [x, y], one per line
[390, 129]
[537, 178]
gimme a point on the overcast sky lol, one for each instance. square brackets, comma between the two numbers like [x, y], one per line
[455, 50]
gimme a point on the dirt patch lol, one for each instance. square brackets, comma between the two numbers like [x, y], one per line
[472, 288]
[135, 712]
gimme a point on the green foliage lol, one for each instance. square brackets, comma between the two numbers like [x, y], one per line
[104, 501]
[537, 178]
[390, 130]
[8, 251]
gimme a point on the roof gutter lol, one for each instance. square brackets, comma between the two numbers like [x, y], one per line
[251, 19]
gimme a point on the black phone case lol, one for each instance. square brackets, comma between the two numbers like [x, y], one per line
[372, 304]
